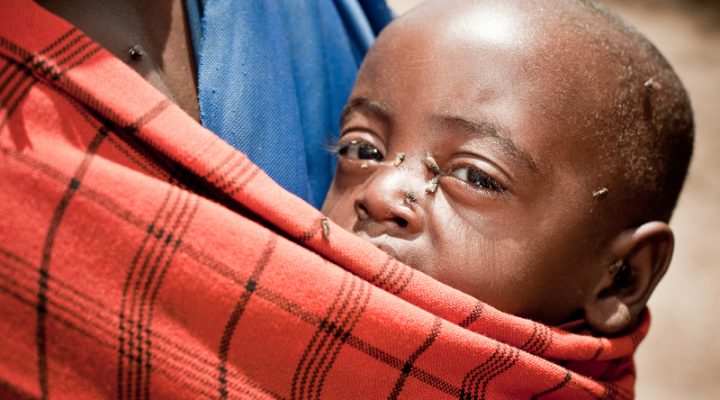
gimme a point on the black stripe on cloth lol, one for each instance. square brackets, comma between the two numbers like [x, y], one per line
[476, 381]
[309, 233]
[93, 314]
[88, 55]
[147, 259]
[69, 45]
[473, 316]
[140, 161]
[149, 115]
[126, 141]
[533, 339]
[14, 48]
[402, 284]
[55, 223]
[59, 40]
[79, 44]
[154, 235]
[81, 307]
[46, 67]
[155, 262]
[239, 184]
[296, 387]
[383, 283]
[178, 372]
[78, 51]
[156, 265]
[387, 280]
[340, 336]
[610, 392]
[215, 171]
[237, 313]
[549, 338]
[229, 178]
[25, 79]
[8, 64]
[381, 272]
[123, 330]
[553, 389]
[398, 285]
[175, 243]
[540, 340]
[6, 82]
[329, 338]
[598, 351]
[410, 363]
[235, 164]
[16, 103]
[224, 270]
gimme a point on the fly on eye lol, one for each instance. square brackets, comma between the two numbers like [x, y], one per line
[356, 150]
[477, 178]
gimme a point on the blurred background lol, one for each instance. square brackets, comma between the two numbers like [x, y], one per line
[680, 358]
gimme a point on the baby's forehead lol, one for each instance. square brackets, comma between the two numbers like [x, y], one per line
[565, 37]
[544, 68]
[560, 55]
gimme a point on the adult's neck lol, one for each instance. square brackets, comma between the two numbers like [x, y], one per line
[158, 28]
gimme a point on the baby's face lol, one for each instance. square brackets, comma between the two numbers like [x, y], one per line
[512, 219]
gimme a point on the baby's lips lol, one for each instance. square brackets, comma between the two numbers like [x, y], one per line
[384, 247]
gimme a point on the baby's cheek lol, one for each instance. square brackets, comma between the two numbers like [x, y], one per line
[493, 269]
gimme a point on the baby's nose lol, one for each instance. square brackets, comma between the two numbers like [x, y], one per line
[392, 200]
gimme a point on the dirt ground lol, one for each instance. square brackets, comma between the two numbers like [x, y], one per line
[680, 359]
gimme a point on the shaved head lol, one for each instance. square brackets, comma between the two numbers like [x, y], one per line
[652, 143]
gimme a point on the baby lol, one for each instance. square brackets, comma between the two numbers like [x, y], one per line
[528, 153]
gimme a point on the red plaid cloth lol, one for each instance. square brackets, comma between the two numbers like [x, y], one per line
[141, 256]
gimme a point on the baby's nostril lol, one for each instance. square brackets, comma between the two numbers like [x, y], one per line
[400, 222]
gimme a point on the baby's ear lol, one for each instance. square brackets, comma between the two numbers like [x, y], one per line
[641, 257]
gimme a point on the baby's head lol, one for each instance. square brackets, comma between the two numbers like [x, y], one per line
[526, 153]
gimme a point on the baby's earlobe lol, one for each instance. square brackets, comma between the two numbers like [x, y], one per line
[609, 315]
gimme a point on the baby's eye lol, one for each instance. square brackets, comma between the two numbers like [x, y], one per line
[476, 178]
[356, 150]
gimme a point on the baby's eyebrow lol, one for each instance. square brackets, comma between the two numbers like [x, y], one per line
[365, 105]
[488, 127]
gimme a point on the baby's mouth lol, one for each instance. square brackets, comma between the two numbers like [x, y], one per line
[402, 254]
[384, 247]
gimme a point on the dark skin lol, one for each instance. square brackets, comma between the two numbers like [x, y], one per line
[160, 30]
[499, 100]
